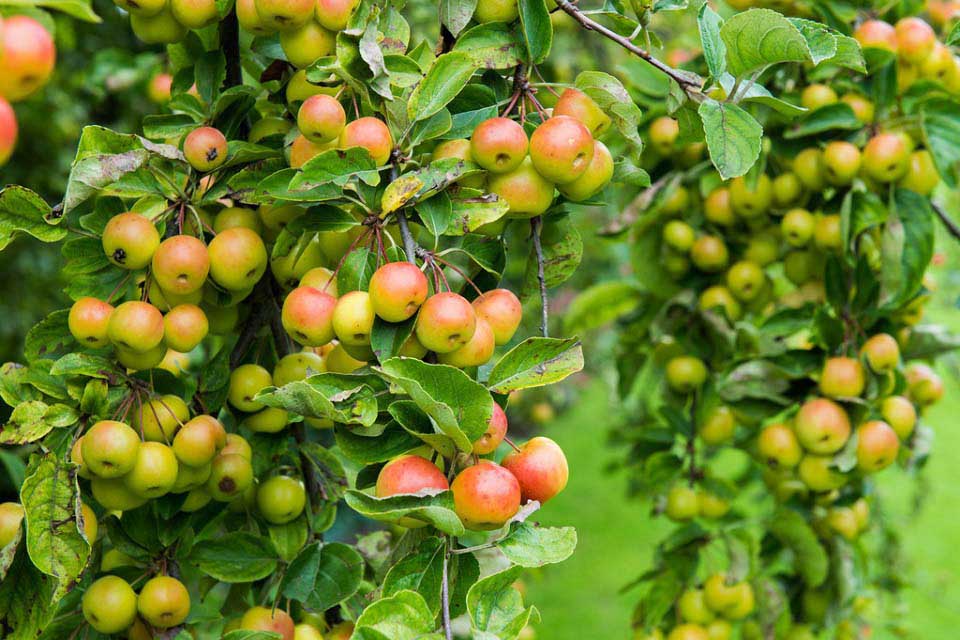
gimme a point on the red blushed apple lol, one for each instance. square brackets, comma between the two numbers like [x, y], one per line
[877, 446]
[28, 56]
[205, 148]
[446, 322]
[371, 134]
[495, 433]
[476, 352]
[321, 118]
[8, 131]
[540, 467]
[485, 496]
[264, 619]
[502, 311]
[822, 426]
[397, 289]
[409, 474]
[307, 316]
[877, 34]
[576, 104]
[88, 321]
[561, 149]
[334, 14]
[499, 145]
[181, 264]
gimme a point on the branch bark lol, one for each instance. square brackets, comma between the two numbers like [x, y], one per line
[536, 226]
[952, 227]
[445, 591]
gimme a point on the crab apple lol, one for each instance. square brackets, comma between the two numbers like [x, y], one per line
[281, 499]
[692, 607]
[718, 426]
[180, 264]
[339, 361]
[485, 496]
[679, 236]
[113, 494]
[915, 39]
[130, 240]
[712, 506]
[284, 15]
[269, 420]
[877, 34]
[237, 444]
[155, 471]
[818, 473]
[88, 321]
[371, 134]
[28, 55]
[797, 227]
[76, 457]
[190, 478]
[8, 131]
[230, 217]
[900, 414]
[163, 602]
[160, 418]
[305, 631]
[863, 109]
[250, 20]
[841, 162]
[842, 378]
[297, 366]
[924, 386]
[787, 189]
[198, 441]
[822, 426]
[109, 605]
[745, 280]
[597, 175]
[496, 11]
[922, 175]
[763, 248]
[809, 169]
[682, 504]
[827, 233]
[302, 151]
[273, 620]
[502, 310]
[778, 446]
[446, 322]
[732, 601]
[230, 475]
[886, 157]
[110, 448]
[476, 351]
[881, 352]
[717, 208]
[686, 373]
[815, 96]
[459, 148]
[334, 14]
[718, 296]
[397, 289]
[677, 201]
[499, 145]
[540, 467]
[663, 133]
[939, 65]
[527, 193]
[141, 360]
[800, 266]
[321, 118]
[205, 148]
[750, 201]
[409, 474]
[353, 318]
[320, 278]
[687, 632]
[306, 43]
[842, 520]
[11, 515]
[561, 149]
[308, 314]
[877, 445]
[194, 14]
[184, 327]
[245, 382]
[493, 436]
[158, 89]
[709, 254]
[268, 127]
[238, 259]
[576, 104]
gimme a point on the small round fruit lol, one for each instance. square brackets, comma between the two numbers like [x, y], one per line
[877, 34]
[446, 322]
[281, 499]
[751, 201]
[822, 426]
[924, 386]
[886, 158]
[915, 39]
[842, 378]
[113, 494]
[877, 446]
[236, 444]
[692, 607]
[155, 471]
[797, 227]
[922, 175]
[663, 134]
[305, 44]
[110, 448]
[160, 28]
[540, 467]
[745, 280]
[719, 297]
[194, 14]
[597, 175]
[900, 414]
[88, 321]
[397, 289]
[163, 602]
[263, 619]
[809, 169]
[335, 14]
[160, 418]
[371, 134]
[297, 366]
[499, 145]
[688, 632]
[197, 443]
[409, 474]
[709, 254]
[245, 382]
[135, 325]
[718, 426]
[561, 149]
[109, 605]
[476, 351]
[841, 162]
[778, 446]
[827, 233]
[353, 318]
[9, 131]
[181, 264]
[205, 148]
[527, 193]
[184, 327]
[307, 315]
[485, 496]
[321, 118]
[495, 433]
[686, 373]
[129, 240]
[717, 208]
[576, 104]
[502, 310]
[679, 236]
[881, 352]
[230, 475]
[683, 503]
[815, 96]
[269, 420]
[238, 258]
[28, 55]
[11, 516]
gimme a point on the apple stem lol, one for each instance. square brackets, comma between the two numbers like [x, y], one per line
[536, 226]
[510, 442]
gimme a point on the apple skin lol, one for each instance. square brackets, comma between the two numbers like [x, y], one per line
[155, 471]
[816, 472]
[353, 318]
[29, 56]
[371, 134]
[576, 104]
[205, 148]
[284, 15]
[881, 352]
[110, 449]
[499, 145]
[718, 426]
[281, 499]
[245, 382]
[264, 619]
[198, 441]
[334, 14]
[496, 11]
[307, 316]
[194, 14]
[686, 373]
[717, 208]
[397, 289]
[719, 297]
[561, 149]
[842, 378]
[184, 327]
[924, 386]
[709, 254]
[503, 312]
[160, 418]
[180, 264]
[663, 133]
[321, 118]
[682, 504]
[877, 446]
[163, 602]
[306, 43]
[841, 161]
[408, 474]
[688, 632]
[230, 217]
[597, 175]
[109, 605]
[129, 240]
[495, 433]
[900, 414]
[113, 494]
[230, 475]
[88, 321]
[477, 351]
[540, 467]
[922, 176]
[238, 259]
[751, 202]
[297, 366]
[778, 446]
[446, 322]
[822, 426]
[886, 157]
[8, 131]
[915, 39]
[485, 496]
[877, 34]
[528, 194]
[797, 227]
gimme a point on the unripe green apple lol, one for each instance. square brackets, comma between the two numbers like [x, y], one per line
[129, 240]
[939, 65]
[815, 96]
[679, 235]
[540, 467]
[712, 506]
[190, 478]
[230, 475]
[827, 233]
[576, 104]
[800, 266]
[496, 11]
[881, 352]
[194, 14]
[304, 631]
[922, 175]
[236, 444]
[797, 227]
[459, 148]
[284, 15]
[160, 418]
[924, 386]
[877, 446]
[321, 118]
[663, 133]
[28, 56]
[502, 310]
[197, 499]
[719, 630]
[842, 520]
[110, 448]
[692, 607]
[751, 201]
[163, 602]
[862, 108]
[396, 291]
[446, 322]
[266, 127]
[718, 426]
[305, 44]
[181, 264]
[161, 28]
[371, 134]
[900, 414]
[822, 426]
[717, 208]
[320, 278]
[230, 217]
[308, 314]
[818, 473]
[155, 471]
[273, 620]
[269, 420]
[113, 559]
[745, 280]
[688, 632]
[495, 433]
[499, 145]
[778, 446]
[841, 162]
[877, 34]
[720, 297]
[683, 503]
[245, 382]
[561, 149]
[763, 248]
[303, 256]
[787, 189]
[339, 361]
[733, 601]
[109, 605]
[598, 174]
[281, 499]
[686, 373]
[842, 378]
[297, 366]
[113, 494]
[809, 168]
[527, 193]
[676, 202]
[238, 259]
[485, 496]
[915, 39]
[11, 516]
[886, 158]
[88, 321]
[184, 327]
[709, 254]
[353, 318]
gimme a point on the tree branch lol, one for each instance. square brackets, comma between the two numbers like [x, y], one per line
[689, 82]
[952, 227]
[536, 226]
[230, 45]
[445, 591]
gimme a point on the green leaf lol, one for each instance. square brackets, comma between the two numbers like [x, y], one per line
[954, 37]
[84, 364]
[336, 167]
[600, 304]
[445, 78]
[495, 606]
[51, 499]
[835, 116]
[288, 539]
[537, 29]
[244, 634]
[714, 50]
[821, 42]
[940, 120]
[611, 96]
[757, 38]
[343, 398]
[323, 575]
[435, 509]
[418, 424]
[27, 603]
[387, 338]
[79, 9]
[536, 362]
[810, 558]
[491, 46]
[402, 616]
[31, 421]
[235, 557]
[849, 55]
[459, 406]
[456, 14]
[469, 214]
[733, 137]
[418, 185]
[529, 545]
[419, 571]
[364, 449]
[907, 247]
[23, 211]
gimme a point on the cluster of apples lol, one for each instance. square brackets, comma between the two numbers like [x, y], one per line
[323, 125]
[27, 57]
[460, 333]
[308, 28]
[110, 605]
[920, 54]
[707, 612]
[278, 621]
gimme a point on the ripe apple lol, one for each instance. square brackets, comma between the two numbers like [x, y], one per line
[688, 632]
[245, 382]
[718, 426]
[915, 39]
[485, 496]
[683, 503]
[502, 310]
[184, 327]
[877, 446]
[711, 505]
[8, 131]
[339, 361]
[28, 55]
[11, 515]
[321, 118]
[155, 471]
[238, 258]
[230, 475]
[371, 134]
[281, 499]
[110, 449]
[709, 254]
[230, 217]
[163, 602]
[303, 150]
[686, 373]
[561, 149]
[924, 386]
[409, 474]
[109, 605]
[827, 233]
[900, 414]
[527, 193]
[842, 378]
[886, 158]
[397, 289]
[841, 162]
[733, 601]
[751, 201]
[158, 90]
[180, 264]
[198, 441]
[160, 418]
[717, 208]
[205, 148]
[269, 420]
[863, 108]
[238, 445]
[877, 34]
[320, 278]
[843, 521]
[597, 175]
[778, 446]
[446, 322]
[499, 145]
[335, 14]
[307, 315]
[306, 43]
[264, 619]
[129, 240]
[881, 352]
[88, 321]
[822, 426]
[576, 104]
[476, 351]
[540, 467]
[493, 436]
